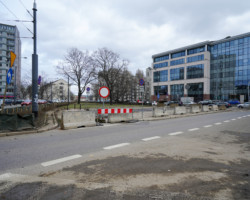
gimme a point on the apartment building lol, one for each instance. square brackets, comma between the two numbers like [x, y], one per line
[10, 41]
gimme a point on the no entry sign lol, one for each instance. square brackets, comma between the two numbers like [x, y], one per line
[104, 92]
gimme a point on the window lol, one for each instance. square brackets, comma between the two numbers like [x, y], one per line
[195, 71]
[177, 62]
[178, 54]
[160, 65]
[195, 58]
[161, 76]
[158, 59]
[196, 50]
[177, 91]
[177, 74]
[161, 90]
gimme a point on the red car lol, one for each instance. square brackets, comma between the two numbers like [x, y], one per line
[26, 103]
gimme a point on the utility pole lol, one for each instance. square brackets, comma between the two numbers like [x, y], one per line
[34, 67]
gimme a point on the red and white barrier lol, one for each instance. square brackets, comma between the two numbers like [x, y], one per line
[115, 110]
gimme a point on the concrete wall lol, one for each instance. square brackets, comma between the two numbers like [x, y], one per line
[75, 119]
[215, 108]
[123, 117]
[195, 109]
[179, 110]
[205, 108]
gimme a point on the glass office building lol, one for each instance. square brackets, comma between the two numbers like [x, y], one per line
[217, 70]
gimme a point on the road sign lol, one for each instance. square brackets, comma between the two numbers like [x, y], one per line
[9, 76]
[141, 81]
[141, 88]
[104, 92]
[12, 58]
[39, 80]
[88, 89]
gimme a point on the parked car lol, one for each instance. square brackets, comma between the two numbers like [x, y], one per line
[168, 103]
[154, 103]
[244, 105]
[42, 101]
[223, 104]
[205, 102]
[19, 101]
[188, 103]
[233, 101]
[26, 102]
[8, 102]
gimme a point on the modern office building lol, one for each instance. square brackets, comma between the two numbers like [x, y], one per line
[217, 70]
[10, 41]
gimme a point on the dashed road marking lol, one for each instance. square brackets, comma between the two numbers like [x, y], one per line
[218, 123]
[239, 117]
[60, 160]
[207, 126]
[193, 129]
[176, 133]
[227, 121]
[116, 146]
[151, 138]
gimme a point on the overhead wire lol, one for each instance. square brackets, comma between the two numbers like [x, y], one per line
[15, 16]
[26, 8]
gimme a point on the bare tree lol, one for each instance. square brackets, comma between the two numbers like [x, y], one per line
[110, 65]
[78, 66]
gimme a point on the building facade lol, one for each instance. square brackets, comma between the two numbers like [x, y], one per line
[10, 41]
[217, 70]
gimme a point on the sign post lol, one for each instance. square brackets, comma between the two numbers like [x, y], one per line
[141, 83]
[88, 90]
[104, 93]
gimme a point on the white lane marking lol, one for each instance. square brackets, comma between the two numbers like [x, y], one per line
[116, 146]
[193, 129]
[176, 133]
[207, 126]
[248, 115]
[151, 138]
[239, 117]
[218, 123]
[60, 160]
[227, 121]
[233, 119]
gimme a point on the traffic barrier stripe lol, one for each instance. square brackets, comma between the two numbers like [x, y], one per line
[115, 111]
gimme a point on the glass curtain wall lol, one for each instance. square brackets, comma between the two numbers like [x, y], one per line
[230, 69]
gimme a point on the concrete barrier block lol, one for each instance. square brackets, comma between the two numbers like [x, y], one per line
[75, 119]
[205, 108]
[122, 117]
[215, 108]
[179, 110]
[169, 111]
[195, 109]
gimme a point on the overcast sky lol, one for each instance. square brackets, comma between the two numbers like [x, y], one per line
[135, 29]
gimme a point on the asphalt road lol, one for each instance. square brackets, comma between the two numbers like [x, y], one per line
[197, 157]
[27, 150]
